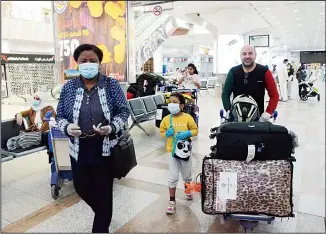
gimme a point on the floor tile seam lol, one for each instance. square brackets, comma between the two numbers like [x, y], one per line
[37, 217]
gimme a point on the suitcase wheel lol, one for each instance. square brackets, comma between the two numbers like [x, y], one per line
[54, 191]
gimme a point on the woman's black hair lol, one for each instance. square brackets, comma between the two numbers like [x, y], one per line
[193, 67]
[87, 47]
[181, 98]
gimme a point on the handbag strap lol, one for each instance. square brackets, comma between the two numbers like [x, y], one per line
[174, 140]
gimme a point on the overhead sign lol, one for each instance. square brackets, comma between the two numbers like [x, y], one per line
[157, 10]
[259, 40]
[26, 58]
[143, 3]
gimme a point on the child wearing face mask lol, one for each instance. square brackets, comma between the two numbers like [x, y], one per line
[177, 126]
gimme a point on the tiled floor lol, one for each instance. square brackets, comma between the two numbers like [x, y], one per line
[141, 198]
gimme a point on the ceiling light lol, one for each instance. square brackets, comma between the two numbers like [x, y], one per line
[320, 20]
[180, 6]
[321, 13]
[297, 18]
[299, 25]
[295, 11]
[268, 9]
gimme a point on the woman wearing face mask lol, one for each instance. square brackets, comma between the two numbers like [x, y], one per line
[190, 79]
[36, 114]
[183, 127]
[92, 111]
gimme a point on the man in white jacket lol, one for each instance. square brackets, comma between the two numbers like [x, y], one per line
[290, 76]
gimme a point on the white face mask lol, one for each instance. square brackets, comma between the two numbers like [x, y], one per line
[174, 108]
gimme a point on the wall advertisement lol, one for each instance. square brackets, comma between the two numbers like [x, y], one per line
[102, 23]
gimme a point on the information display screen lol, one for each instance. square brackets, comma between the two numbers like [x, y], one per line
[259, 40]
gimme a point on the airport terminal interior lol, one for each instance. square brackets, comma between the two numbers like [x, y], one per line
[150, 48]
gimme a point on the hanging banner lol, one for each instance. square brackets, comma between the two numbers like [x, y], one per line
[102, 23]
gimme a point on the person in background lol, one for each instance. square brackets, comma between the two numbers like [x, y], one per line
[182, 127]
[177, 72]
[93, 112]
[251, 79]
[35, 115]
[301, 76]
[190, 79]
[290, 77]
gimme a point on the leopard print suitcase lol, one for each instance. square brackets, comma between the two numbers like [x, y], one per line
[257, 187]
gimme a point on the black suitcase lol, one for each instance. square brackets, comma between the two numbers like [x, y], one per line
[264, 141]
[162, 111]
[192, 110]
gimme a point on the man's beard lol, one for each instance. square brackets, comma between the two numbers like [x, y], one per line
[250, 65]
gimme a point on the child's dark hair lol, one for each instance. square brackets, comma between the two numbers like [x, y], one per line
[193, 67]
[181, 98]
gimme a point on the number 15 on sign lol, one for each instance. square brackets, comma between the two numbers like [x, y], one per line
[67, 47]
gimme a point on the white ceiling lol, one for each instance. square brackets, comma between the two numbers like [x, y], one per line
[299, 24]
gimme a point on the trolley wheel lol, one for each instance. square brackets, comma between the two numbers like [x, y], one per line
[318, 97]
[54, 192]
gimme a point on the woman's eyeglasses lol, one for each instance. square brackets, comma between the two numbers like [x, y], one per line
[90, 133]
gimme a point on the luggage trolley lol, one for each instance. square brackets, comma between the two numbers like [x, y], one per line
[60, 165]
[247, 221]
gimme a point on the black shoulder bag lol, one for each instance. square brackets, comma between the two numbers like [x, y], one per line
[123, 152]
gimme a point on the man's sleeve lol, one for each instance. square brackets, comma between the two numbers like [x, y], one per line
[272, 92]
[227, 91]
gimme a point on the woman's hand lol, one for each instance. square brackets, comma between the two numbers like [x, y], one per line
[74, 130]
[103, 131]
[19, 119]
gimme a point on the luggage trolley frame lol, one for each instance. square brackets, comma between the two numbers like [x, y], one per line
[61, 164]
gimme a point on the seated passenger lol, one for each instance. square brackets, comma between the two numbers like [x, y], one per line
[36, 114]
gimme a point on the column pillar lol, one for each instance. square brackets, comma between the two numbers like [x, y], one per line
[215, 56]
[158, 60]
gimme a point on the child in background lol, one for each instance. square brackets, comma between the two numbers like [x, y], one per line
[183, 127]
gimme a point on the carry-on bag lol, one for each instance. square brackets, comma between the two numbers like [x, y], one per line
[124, 156]
[192, 110]
[252, 141]
[162, 111]
[238, 187]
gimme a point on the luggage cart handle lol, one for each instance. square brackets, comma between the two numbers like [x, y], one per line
[274, 115]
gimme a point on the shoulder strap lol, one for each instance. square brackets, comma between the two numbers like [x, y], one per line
[171, 121]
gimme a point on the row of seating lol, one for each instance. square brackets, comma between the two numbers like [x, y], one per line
[144, 109]
[9, 129]
[206, 84]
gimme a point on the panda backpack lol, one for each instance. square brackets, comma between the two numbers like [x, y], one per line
[181, 148]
